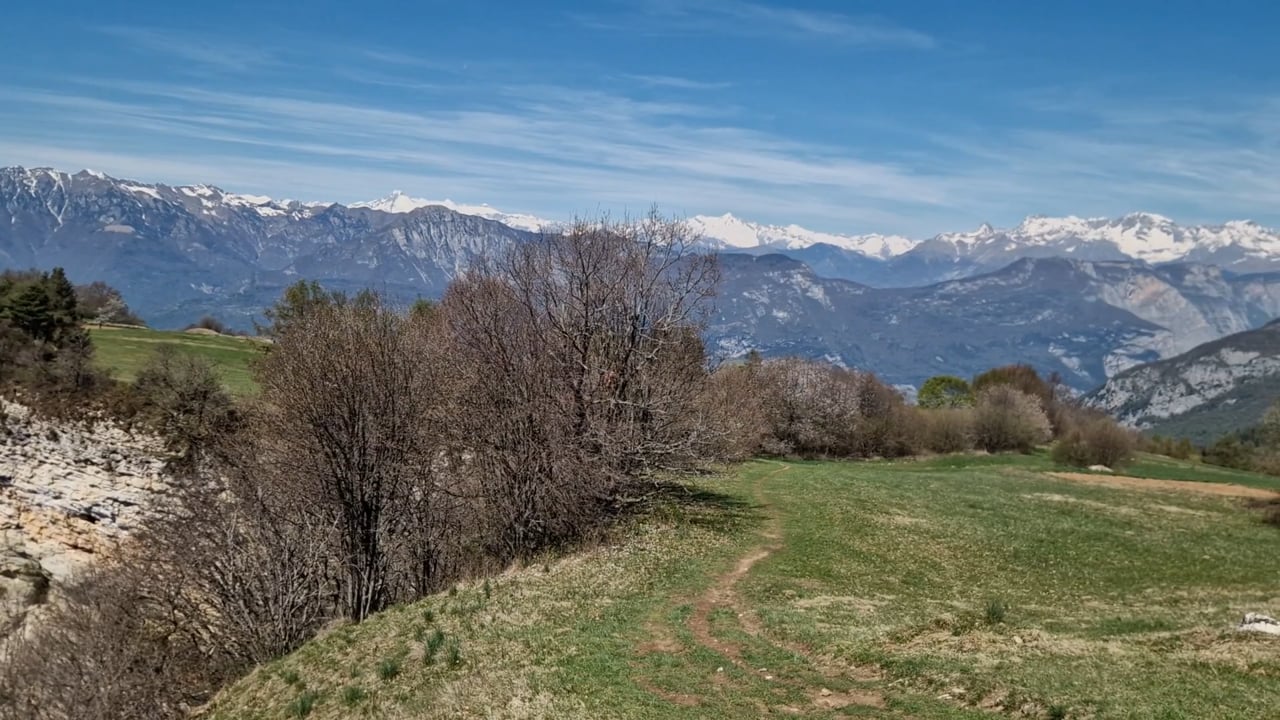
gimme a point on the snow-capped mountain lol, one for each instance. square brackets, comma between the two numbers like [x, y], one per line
[177, 252]
[180, 252]
[728, 231]
[398, 202]
[1085, 320]
[1240, 246]
[1138, 236]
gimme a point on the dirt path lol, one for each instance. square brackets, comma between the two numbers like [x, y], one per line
[1188, 486]
[722, 594]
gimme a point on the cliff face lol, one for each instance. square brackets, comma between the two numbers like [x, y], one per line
[1213, 389]
[69, 493]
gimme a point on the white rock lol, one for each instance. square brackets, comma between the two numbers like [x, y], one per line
[1257, 622]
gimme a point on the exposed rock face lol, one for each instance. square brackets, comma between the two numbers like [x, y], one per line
[1213, 389]
[69, 492]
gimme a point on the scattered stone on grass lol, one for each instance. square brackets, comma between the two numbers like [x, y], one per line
[1259, 623]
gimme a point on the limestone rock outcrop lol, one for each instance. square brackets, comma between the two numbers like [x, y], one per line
[69, 493]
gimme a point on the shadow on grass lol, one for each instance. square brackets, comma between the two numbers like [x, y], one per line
[686, 503]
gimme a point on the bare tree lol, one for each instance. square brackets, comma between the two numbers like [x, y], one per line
[183, 398]
[582, 366]
[344, 434]
[814, 408]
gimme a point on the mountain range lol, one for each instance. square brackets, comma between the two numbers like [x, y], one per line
[1240, 246]
[1085, 298]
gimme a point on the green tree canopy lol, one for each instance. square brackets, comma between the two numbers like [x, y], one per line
[945, 391]
[298, 299]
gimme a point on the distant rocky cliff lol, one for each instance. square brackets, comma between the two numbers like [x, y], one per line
[1211, 390]
[69, 493]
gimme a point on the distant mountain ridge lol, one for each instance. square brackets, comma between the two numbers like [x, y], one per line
[177, 252]
[878, 260]
[1084, 320]
[893, 261]
[180, 252]
[1219, 387]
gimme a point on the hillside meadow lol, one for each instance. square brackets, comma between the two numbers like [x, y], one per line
[123, 350]
[946, 588]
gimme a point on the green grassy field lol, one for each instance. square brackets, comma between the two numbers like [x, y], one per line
[946, 588]
[122, 351]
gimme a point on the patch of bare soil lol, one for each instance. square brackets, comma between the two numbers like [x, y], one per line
[831, 700]
[720, 594]
[1188, 486]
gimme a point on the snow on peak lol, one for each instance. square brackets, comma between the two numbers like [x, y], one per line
[398, 202]
[141, 190]
[730, 231]
[1151, 218]
[1140, 235]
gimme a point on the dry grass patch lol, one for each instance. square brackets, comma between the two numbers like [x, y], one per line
[1186, 486]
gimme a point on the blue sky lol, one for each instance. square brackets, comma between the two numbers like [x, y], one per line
[903, 117]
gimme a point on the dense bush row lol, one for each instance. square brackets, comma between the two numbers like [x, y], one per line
[813, 409]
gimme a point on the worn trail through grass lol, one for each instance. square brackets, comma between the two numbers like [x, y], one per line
[722, 594]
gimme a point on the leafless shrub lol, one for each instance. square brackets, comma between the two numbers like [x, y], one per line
[343, 437]
[1008, 419]
[819, 409]
[947, 430]
[1095, 441]
[732, 404]
[107, 650]
[180, 396]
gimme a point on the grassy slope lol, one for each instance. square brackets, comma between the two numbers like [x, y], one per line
[833, 590]
[123, 351]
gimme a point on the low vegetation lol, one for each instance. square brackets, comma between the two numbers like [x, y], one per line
[1095, 441]
[956, 587]
[1256, 449]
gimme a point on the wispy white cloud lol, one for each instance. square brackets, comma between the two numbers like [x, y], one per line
[221, 55]
[555, 150]
[748, 19]
[677, 83]
[546, 149]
